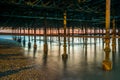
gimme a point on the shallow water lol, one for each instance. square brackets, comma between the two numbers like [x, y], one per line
[84, 60]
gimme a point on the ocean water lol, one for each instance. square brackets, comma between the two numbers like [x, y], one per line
[84, 60]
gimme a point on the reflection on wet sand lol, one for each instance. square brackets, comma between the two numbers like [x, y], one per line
[84, 59]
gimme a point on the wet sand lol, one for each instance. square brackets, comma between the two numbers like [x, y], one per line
[15, 66]
[83, 63]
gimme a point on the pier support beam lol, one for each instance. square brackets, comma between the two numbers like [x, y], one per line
[72, 35]
[40, 35]
[45, 37]
[35, 45]
[24, 41]
[19, 37]
[107, 64]
[119, 33]
[50, 34]
[29, 43]
[64, 55]
[86, 34]
[113, 36]
[69, 38]
[14, 33]
[59, 36]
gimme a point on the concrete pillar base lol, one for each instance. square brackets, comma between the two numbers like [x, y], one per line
[19, 40]
[107, 65]
[29, 44]
[68, 44]
[45, 48]
[35, 46]
[14, 38]
[65, 56]
[24, 42]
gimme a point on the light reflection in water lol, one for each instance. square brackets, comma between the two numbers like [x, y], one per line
[84, 59]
